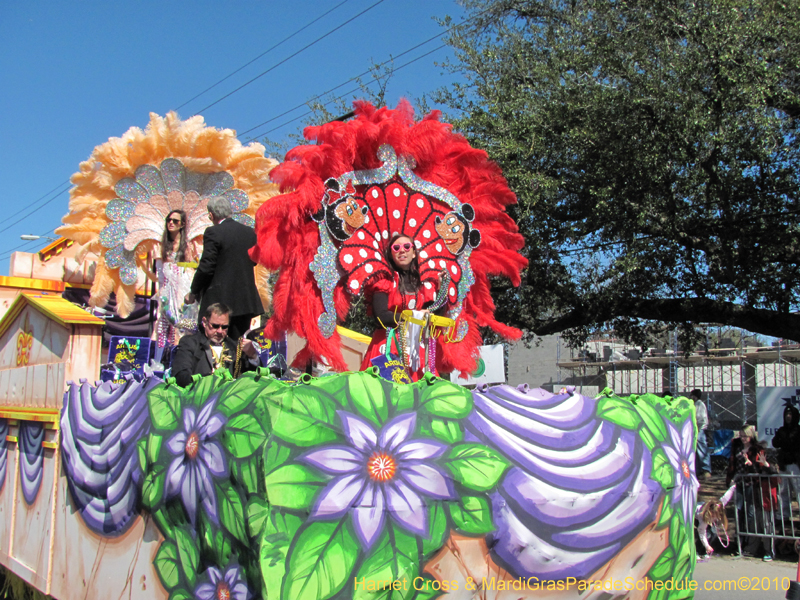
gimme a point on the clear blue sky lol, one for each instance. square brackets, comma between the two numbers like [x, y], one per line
[75, 73]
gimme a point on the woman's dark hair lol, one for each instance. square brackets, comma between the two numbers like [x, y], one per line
[412, 275]
[166, 243]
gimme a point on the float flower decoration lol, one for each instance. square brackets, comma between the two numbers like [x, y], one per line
[379, 475]
[199, 459]
[223, 586]
[681, 457]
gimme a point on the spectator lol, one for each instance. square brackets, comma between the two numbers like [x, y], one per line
[787, 441]
[225, 272]
[702, 455]
[756, 497]
[211, 348]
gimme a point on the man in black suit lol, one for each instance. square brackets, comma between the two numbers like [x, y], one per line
[225, 272]
[203, 352]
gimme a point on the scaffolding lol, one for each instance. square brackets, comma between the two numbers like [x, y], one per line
[729, 377]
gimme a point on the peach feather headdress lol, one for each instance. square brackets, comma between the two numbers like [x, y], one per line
[125, 190]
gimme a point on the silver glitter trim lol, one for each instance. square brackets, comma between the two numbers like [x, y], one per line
[128, 189]
[149, 177]
[244, 220]
[127, 274]
[327, 276]
[120, 210]
[153, 181]
[113, 234]
[404, 169]
[174, 174]
[238, 199]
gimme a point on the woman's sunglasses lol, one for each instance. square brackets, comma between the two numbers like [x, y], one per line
[406, 247]
[175, 221]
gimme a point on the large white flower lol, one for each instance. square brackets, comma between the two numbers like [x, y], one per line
[681, 457]
[378, 474]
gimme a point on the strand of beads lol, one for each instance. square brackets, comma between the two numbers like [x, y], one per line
[432, 354]
[402, 342]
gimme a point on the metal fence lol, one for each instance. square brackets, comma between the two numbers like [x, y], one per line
[765, 510]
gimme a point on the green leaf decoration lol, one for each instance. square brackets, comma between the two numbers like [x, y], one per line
[662, 471]
[154, 443]
[403, 397]
[279, 531]
[476, 466]
[333, 386]
[677, 530]
[647, 438]
[321, 561]
[180, 595]
[223, 548]
[199, 392]
[450, 432]
[437, 531]
[275, 454]
[303, 419]
[141, 453]
[428, 589]
[666, 512]
[619, 412]
[445, 399]
[472, 514]
[247, 474]
[243, 435]
[164, 523]
[241, 393]
[257, 512]
[663, 566]
[167, 565]
[188, 555]
[369, 396]
[165, 407]
[293, 486]
[653, 420]
[231, 511]
[393, 561]
[153, 486]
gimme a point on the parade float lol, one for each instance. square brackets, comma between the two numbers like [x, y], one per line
[350, 485]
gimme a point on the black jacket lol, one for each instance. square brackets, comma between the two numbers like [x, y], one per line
[225, 272]
[787, 439]
[194, 356]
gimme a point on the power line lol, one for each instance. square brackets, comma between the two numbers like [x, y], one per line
[247, 64]
[7, 227]
[303, 49]
[367, 72]
[39, 199]
[309, 112]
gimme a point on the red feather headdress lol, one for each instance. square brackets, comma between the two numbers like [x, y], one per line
[363, 181]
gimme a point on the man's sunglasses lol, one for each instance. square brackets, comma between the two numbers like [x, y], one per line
[176, 221]
[217, 326]
[406, 247]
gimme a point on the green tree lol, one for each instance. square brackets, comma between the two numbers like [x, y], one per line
[653, 146]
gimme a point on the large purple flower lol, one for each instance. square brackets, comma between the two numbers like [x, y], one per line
[198, 458]
[378, 474]
[681, 457]
[217, 586]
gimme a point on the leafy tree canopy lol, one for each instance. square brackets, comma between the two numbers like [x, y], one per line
[654, 149]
